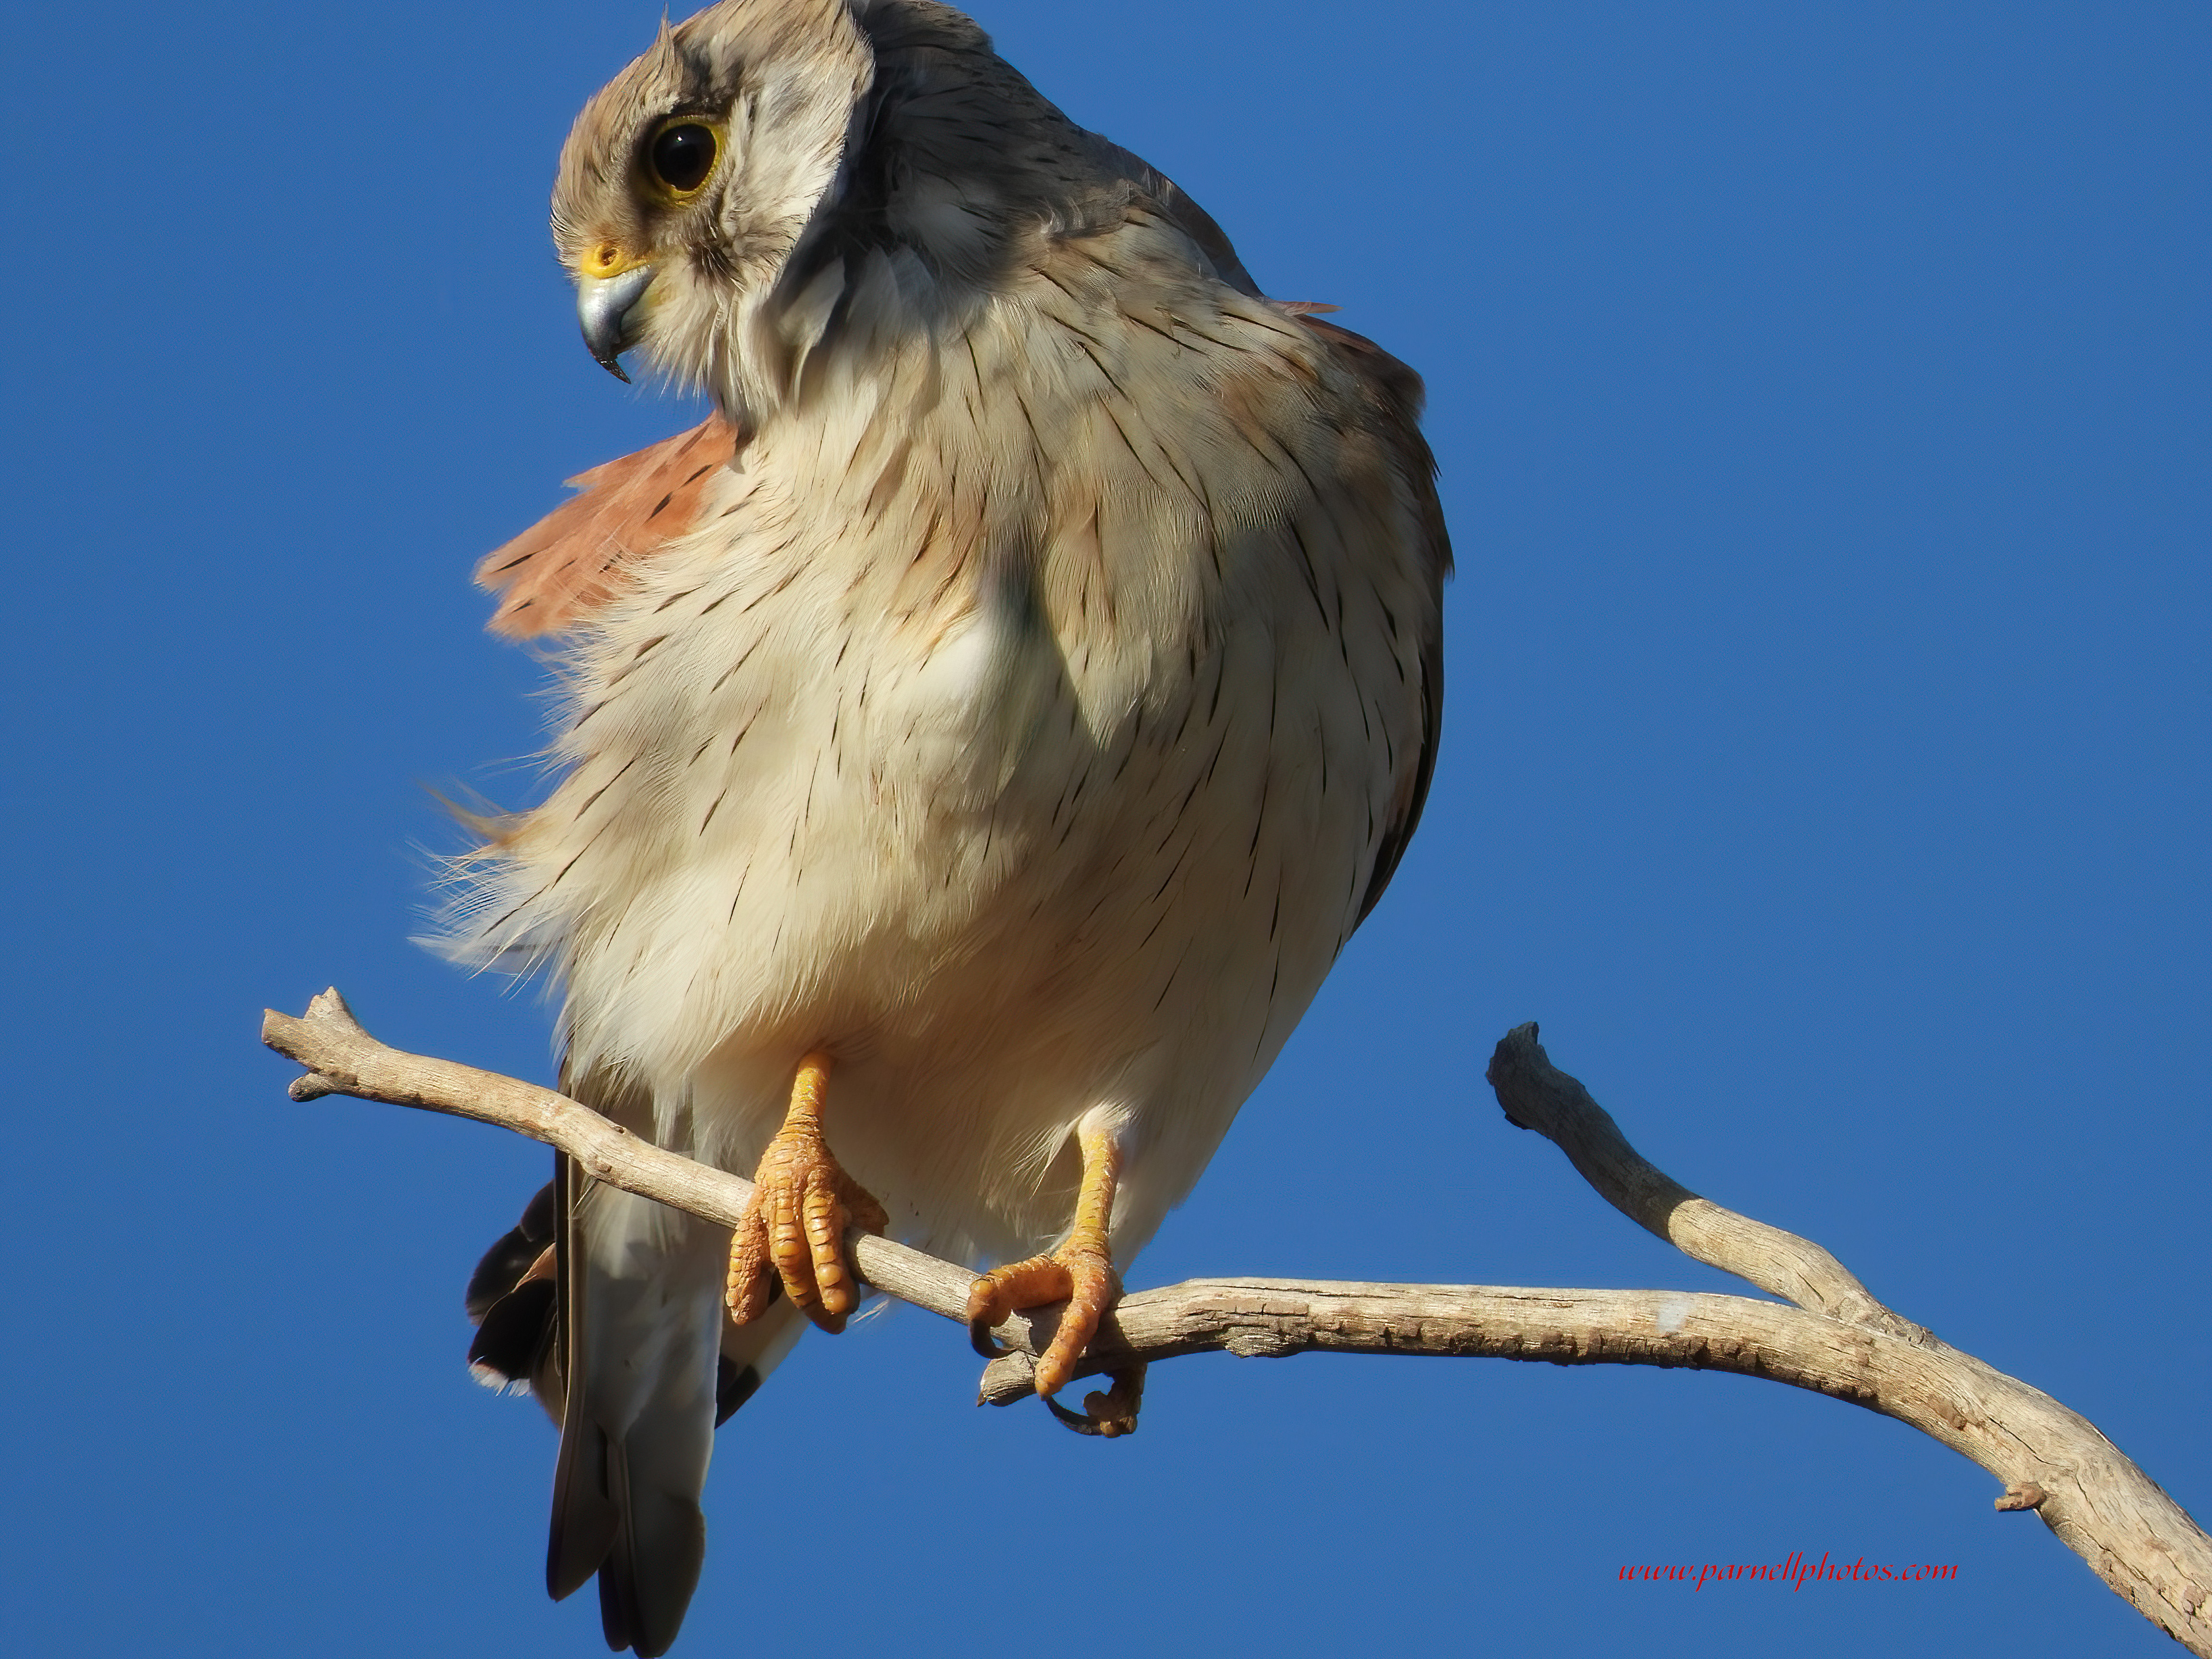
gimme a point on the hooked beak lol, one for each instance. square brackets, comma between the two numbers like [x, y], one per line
[612, 310]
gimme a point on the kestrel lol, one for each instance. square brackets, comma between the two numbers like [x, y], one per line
[980, 736]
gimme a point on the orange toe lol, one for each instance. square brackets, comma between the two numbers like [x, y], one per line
[795, 1224]
[1079, 1274]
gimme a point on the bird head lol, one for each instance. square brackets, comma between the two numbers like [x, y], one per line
[689, 181]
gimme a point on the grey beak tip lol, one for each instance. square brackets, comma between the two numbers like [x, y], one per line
[608, 310]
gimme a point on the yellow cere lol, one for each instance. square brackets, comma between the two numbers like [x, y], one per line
[605, 259]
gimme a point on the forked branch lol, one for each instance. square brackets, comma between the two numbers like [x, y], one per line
[1835, 1339]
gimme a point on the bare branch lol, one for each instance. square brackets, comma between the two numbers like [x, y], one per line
[1838, 1340]
[2053, 1460]
[343, 1059]
[1536, 1095]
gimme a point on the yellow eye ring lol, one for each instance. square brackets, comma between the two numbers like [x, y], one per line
[680, 158]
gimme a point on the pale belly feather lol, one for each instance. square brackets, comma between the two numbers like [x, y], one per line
[1009, 865]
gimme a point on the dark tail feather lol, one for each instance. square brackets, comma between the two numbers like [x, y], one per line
[625, 1498]
[585, 1516]
[508, 1261]
[511, 1343]
[647, 1547]
[513, 1303]
[625, 1507]
[646, 1580]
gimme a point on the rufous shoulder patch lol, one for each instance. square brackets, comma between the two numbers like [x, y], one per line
[556, 574]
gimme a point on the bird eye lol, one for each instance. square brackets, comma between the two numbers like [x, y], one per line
[682, 156]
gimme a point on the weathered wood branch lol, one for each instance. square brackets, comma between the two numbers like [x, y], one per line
[1536, 1095]
[343, 1059]
[1837, 1339]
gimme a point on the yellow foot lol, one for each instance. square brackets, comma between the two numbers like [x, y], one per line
[795, 1221]
[1079, 1274]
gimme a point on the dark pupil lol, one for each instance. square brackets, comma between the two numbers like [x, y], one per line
[682, 156]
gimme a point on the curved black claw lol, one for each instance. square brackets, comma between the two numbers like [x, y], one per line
[1079, 1422]
[979, 1339]
[1109, 1415]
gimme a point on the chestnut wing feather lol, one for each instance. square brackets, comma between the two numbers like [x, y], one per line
[555, 574]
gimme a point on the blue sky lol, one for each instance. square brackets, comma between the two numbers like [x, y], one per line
[1820, 395]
